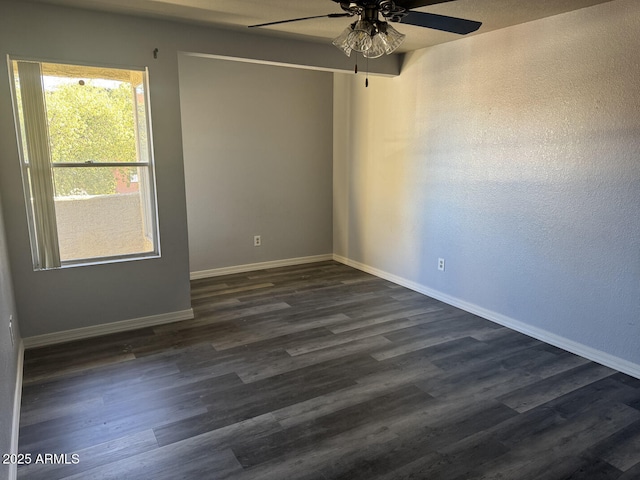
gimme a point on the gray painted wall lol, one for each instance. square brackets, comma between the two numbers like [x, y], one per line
[514, 155]
[58, 300]
[258, 161]
[8, 352]
[54, 301]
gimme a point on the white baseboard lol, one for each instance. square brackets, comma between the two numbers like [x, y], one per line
[17, 401]
[564, 343]
[250, 267]
[107, 328]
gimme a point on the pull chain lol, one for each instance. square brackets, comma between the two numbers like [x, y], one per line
[366, 81]
[355, 70]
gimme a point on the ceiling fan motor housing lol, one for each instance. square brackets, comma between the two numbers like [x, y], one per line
[391, 11]
[369, 9]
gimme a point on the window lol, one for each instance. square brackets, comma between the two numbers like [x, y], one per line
[87, 166]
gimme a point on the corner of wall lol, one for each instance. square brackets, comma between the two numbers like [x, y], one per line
[595, 355]
[106, 328]
[17, 401]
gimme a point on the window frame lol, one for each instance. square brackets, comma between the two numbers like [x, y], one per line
[151, 197]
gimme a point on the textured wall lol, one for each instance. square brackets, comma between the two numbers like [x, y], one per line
[514, 155]
[258, 160]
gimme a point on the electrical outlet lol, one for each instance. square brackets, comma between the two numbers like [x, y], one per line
[441, 264]
[257, 241]
[13, 340]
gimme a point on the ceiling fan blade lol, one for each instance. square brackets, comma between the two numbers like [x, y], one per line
[411, 4]
[331, 15]
[441, 22]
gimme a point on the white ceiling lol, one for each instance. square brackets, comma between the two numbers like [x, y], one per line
[238, 14]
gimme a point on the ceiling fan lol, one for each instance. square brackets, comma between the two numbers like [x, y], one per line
[374, 37]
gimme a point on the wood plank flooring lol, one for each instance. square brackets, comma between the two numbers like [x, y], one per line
[324, 372]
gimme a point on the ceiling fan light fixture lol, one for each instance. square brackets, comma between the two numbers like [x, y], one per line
[391, 38]
[377, 48]
[341, 40]
[359, 39]
[371, 38]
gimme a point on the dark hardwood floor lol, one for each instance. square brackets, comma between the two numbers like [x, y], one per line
[324, 372]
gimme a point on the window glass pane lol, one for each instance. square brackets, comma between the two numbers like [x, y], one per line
[93, 113]
[77, 124]
[141, 123]
[112, 223]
